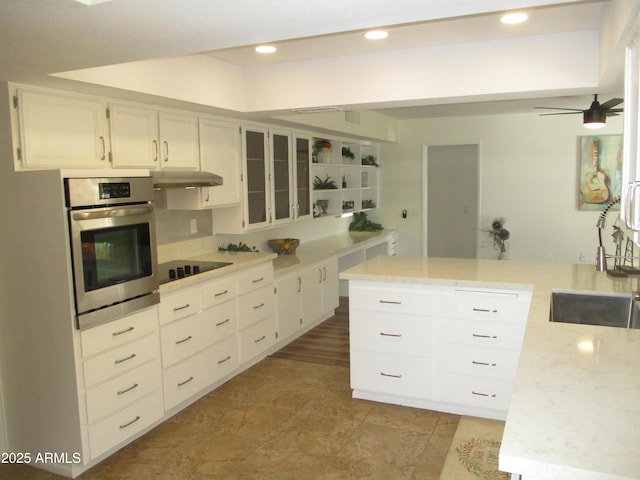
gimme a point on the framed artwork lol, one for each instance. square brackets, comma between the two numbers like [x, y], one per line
[600, 171]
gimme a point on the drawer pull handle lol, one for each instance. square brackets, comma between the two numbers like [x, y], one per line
[120, 360]
[224, 360]
[122, 392]
[390, 375]
[219, 324]
[177, 309]
[485, 310]
[258, 280]
[256, 307]
[130, 423]
[260, 339]
[219, 294]
[186, 381]
[390, 334]
[484, 363]
[126, 330]
[480, 394]
[394, 302]
[478, 335]
[186, 339]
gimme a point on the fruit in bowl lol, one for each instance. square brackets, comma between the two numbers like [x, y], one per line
[284, 245]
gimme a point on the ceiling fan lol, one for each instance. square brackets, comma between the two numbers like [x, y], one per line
[596, 115]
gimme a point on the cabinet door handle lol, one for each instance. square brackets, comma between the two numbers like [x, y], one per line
[185, 382]
[258, 280]
[390, 334]
[219, 324]
[256, 307]
[122, 392]
[186, 339]
[219, 294]
[121, 360]
[478, 335]
[177, 309]
[319, 275]
[390, 375]
[155, 151]
[166, 151]
[393, 302]
[122, 332]
[125, 425]
[224, 360]
[260, 339]
[480, 394]
[488, 364]
[324, 274]
[485, 310]
[104, 149]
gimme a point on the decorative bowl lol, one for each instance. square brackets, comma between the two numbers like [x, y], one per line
[284, 245]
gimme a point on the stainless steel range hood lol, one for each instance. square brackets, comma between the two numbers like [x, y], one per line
[174, 179]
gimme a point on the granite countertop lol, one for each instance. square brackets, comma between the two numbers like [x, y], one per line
[575, 411]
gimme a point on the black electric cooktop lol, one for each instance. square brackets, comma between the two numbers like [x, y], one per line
[170, 271]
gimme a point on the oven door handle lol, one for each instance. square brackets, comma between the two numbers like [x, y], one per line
[123, 211]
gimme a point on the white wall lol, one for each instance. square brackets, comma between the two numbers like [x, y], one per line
[529, 167]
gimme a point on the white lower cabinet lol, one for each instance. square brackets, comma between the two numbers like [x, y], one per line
[437, 347]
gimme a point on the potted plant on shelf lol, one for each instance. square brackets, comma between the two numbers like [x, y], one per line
[326, 184]
[347, 155]
[369, 160]
[321, 151]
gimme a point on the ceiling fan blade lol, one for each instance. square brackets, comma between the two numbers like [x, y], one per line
[611, 103]
[609, 114]
[560, 113]
[576, 110]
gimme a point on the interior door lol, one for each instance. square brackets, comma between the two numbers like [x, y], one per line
[451, 194]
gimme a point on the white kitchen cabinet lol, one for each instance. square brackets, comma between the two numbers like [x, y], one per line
[179, 141]
[221, 153]
[302, 177]
[328, 285]
[443, 348]
[57, 131]
[288, 305]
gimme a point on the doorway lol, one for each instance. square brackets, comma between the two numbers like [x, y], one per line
[450, 200]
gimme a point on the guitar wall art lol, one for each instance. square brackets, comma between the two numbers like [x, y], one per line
[600, 176]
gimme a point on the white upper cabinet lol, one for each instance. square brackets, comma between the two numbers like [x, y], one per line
[61, 131]
[179, 141]
[221, 153]
[134, 136]
[282, 192]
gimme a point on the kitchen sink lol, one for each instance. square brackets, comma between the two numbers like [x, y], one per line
[609, 310]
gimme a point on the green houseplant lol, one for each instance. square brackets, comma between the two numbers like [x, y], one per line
[326, 184]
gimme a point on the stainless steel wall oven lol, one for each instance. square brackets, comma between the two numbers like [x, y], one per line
[113, 247]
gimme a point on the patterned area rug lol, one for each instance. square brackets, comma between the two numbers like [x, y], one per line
[474, 451]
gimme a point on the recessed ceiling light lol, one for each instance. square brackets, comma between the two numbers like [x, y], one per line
[376, 35]
[265, 49]
[91, 3]
[513, 18]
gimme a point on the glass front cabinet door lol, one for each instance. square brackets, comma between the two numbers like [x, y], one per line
[257, 207]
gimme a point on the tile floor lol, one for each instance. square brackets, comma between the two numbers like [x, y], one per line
[280, 420]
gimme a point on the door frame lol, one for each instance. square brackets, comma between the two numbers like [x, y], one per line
[425, 183]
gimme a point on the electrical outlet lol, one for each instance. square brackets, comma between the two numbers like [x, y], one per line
[582, 258]
[194, 225]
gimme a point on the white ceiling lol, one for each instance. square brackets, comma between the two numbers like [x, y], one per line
[41, 37]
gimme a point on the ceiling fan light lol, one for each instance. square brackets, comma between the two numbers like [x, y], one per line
[594, 119]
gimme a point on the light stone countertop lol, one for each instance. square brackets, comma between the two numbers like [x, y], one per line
[575, 410]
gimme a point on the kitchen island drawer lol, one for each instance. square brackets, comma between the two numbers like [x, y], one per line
[121, 426]
[117, 393]
[188, 377]
[481, 333]
[218, 291]
[118, 332]
[473, 391]
[255, 277]
[121, 359]
[185, 337]
[180, 304]
[256, 339]
[224, 318]
[255, 306]
[478, 361]
[401, 334]
[392, 374]
[225, 357]
[392, 299]
[493, 305]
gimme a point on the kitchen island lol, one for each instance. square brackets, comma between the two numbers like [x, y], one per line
[575, 407]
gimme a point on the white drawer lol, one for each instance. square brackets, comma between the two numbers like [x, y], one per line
[187, 378]
[180, 305]
[493, 305]
[224, 318]
[255, 306]
[481, 333]
[255, 277]
[481, 392]
[218, 291]
[392, 374]
[121, 359]
[392, 299]
[402, 334]
[256, 339]
[185, 337]
[478, 361]
[111, 396]
[113, 334]
[121, 426]
[226, 357]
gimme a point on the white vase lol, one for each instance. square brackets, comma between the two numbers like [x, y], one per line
[324, 155]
